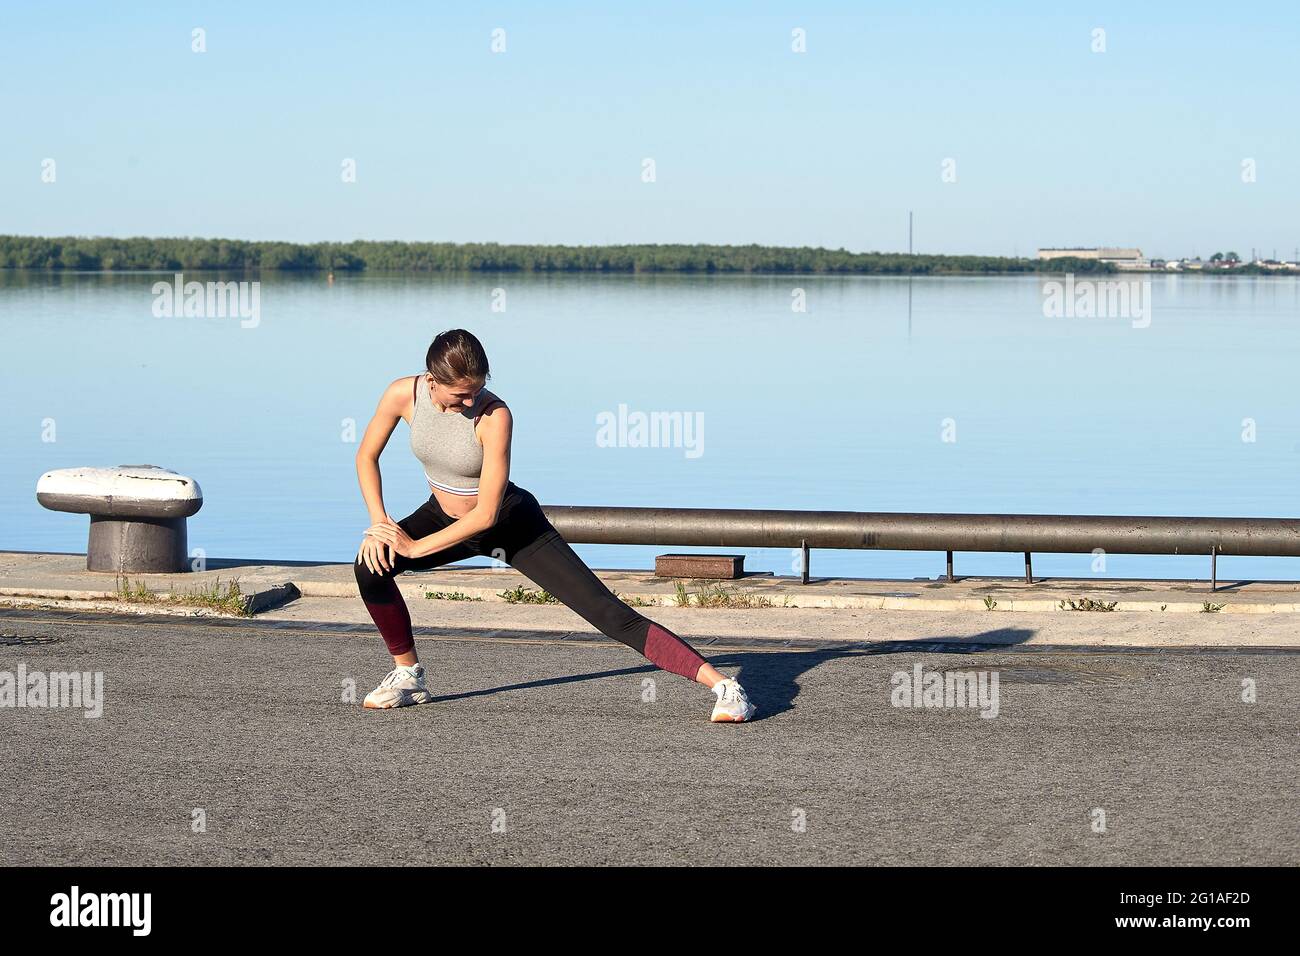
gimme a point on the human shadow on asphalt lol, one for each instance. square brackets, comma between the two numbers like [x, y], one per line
[771, 678]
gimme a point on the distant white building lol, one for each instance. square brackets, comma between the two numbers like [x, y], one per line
[1120, 258]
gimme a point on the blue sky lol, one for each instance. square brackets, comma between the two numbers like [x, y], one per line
[1053, 144]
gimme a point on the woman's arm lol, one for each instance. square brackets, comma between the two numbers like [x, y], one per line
[389, 412]
[498, 427]
[496, 430]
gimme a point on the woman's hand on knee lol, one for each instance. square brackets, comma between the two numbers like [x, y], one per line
[394, 535]
[375, 554]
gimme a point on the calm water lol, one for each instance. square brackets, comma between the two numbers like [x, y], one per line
[839, 407]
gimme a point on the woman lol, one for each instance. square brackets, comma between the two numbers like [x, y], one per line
[461, 432]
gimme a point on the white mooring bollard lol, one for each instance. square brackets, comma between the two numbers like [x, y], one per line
[137, 514]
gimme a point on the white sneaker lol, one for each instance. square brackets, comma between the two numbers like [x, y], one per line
[402, 686]
[733, 705]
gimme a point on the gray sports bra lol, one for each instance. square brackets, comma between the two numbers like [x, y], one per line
[444, 442]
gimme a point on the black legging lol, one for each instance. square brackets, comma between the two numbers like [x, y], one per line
[523, 538]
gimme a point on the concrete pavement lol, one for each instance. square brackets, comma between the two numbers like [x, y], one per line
[546, 745]
[1136, 736]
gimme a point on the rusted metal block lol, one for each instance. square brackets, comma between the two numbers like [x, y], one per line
[724, 566]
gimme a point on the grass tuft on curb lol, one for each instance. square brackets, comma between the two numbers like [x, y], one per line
[211, 596]
[1088, 604]
[449, 596]
[523, 595]
[718, 595]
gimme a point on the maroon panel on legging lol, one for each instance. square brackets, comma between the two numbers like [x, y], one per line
[394, 623]
[665, 649]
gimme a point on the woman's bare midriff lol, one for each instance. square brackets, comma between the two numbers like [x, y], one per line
[454, 506]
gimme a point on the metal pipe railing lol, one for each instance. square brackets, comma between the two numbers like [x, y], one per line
[896, 531]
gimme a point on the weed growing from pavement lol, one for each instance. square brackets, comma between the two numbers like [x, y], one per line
[449, 596]
[1088, 604]
[717, 595]
[229, 601]
[523, 595]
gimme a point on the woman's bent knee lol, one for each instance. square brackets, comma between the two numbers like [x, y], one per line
[372, 583]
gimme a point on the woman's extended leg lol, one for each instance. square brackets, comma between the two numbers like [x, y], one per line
[552, 564]
[527, 541]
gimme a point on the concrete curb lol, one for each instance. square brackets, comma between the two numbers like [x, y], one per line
[266, 586]
[264, 597]
[416, 591]
[284, 594]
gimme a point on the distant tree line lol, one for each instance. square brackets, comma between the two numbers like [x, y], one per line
[96, 254]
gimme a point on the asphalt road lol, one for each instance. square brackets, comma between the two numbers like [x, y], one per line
[551, 753]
